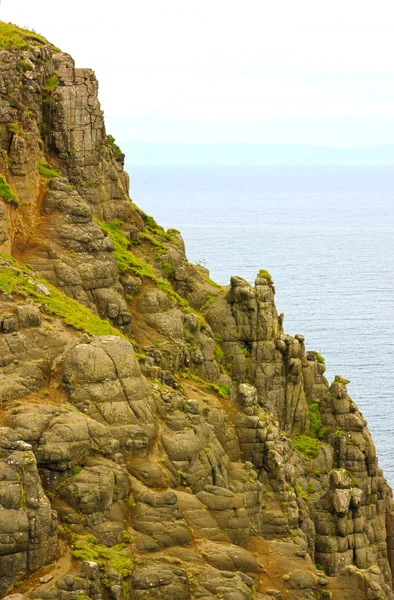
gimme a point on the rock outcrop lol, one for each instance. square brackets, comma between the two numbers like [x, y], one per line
[161, 436]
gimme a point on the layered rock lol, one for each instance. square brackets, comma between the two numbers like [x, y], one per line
[183, 446]
[28, 525]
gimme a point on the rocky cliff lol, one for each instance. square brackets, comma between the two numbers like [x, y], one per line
[161, 436]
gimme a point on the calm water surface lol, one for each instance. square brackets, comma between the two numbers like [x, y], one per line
[326, 234]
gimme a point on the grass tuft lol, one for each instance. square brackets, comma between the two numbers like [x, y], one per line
[309, 446]
[6, 193]
[52, 83]
[15, 128]
[221, 389]
[47, 171]
[157, 229]
[265, 274]
[115, 148]
[87, 548]
[316, 426]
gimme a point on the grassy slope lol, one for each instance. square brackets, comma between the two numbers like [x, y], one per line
[20, 280]
[14, 37]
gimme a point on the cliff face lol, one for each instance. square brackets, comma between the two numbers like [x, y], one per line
[161, 436]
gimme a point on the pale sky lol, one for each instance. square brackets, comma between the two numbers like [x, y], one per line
[270, 71]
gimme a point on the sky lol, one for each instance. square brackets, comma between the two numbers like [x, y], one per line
[261, 71]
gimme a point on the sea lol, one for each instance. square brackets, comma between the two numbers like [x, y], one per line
[326, 235]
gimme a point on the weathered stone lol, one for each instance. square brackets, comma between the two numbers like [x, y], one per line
[167, 473]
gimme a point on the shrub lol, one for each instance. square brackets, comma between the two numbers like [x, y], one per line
[320, 358]
[6, 193]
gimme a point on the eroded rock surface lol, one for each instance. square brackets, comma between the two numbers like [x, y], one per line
[171, 442]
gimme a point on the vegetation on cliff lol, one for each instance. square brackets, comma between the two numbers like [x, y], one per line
[218, 462]
[6, 194]
[19, 280]
[14, 37]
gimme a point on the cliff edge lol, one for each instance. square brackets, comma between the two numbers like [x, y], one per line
[161, 436]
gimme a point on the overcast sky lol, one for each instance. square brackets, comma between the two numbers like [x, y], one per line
[271, 71]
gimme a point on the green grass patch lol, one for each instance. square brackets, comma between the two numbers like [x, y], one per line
[265, 274]
[210, 281]
[218, 353]
[320, 359]
[15, 128]
[157, 229]
[24, 66]
[208, 302]
[321, 567]
[52, 83]
[316, 426]
[246, 350]
[127, 261]
[167, 268]
[148, 236]
[309, 446]
[14, 37]
[75, 314]
[47, 171]
[6, 193]
[221, 389]
[115, 148]
[87, 548]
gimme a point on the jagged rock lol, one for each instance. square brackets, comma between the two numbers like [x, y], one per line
[28, 526]
[104, 381]
[231, 494]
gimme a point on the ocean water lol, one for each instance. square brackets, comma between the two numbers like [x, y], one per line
[326, 234]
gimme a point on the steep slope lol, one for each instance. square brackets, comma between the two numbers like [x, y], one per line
[162, 437]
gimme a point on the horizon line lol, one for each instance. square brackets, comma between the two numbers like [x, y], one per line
[292, 144]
